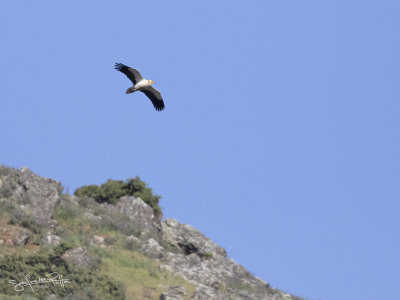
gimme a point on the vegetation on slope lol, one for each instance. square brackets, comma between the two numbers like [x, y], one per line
[83, 283]
[113, 190]
[119, 270]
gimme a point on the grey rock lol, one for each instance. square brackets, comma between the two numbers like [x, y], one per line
[152, 248]
[21, 239]
[189, 239]
[215, 276]
[133, 239]
[133, 243]
[78, 256]
[130, 215]
[52, 239]
[174, 293]
[36, 196]
[219, 278]
[203, 293]
[139, 213]
[97, 239]
[177, 290]
[165, 296]
[91, 216]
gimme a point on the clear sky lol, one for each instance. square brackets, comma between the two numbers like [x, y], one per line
[280, 139]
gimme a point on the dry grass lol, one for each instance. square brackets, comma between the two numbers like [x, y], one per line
[141, 276]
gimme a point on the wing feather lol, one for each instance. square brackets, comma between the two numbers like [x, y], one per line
[132, 74]
[155, 97]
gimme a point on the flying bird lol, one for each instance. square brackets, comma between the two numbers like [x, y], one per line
[141, 84]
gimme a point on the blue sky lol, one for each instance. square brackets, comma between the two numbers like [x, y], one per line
[280, 139]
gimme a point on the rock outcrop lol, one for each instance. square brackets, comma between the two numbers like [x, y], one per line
[52, 239]
[33, 197]
[174, 293]
[139, 213]
[204, 263]
[189, 239]
[21, 239]
[78, 256]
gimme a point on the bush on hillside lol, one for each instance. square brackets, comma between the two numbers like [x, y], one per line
[82, 283]
[113, 190]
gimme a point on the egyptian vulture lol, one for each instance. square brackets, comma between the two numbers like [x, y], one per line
[141, 84]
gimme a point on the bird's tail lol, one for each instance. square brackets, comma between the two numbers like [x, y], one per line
[130, 90]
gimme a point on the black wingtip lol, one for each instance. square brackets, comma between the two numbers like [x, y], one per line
[119, 66]
[159, 108]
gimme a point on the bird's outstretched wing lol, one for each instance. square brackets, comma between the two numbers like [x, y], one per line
[132, 74]
[155, 97]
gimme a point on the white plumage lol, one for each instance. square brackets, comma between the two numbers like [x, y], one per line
[141, 84]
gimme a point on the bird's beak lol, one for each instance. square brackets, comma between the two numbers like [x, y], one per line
[153, 81]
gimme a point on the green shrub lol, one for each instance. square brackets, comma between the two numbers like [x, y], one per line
[131, 245]
[109, 240]
[113, 190]
[20, 218]
[4, 171]
[91, 191]
[67, 209]
[84, 284]
[62, 248]
[206, 255]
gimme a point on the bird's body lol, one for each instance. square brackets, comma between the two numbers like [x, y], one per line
[141, 84]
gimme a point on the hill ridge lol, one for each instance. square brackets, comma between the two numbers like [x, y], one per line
[160, 259]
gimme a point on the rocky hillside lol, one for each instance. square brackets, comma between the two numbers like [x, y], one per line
[107, 251]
